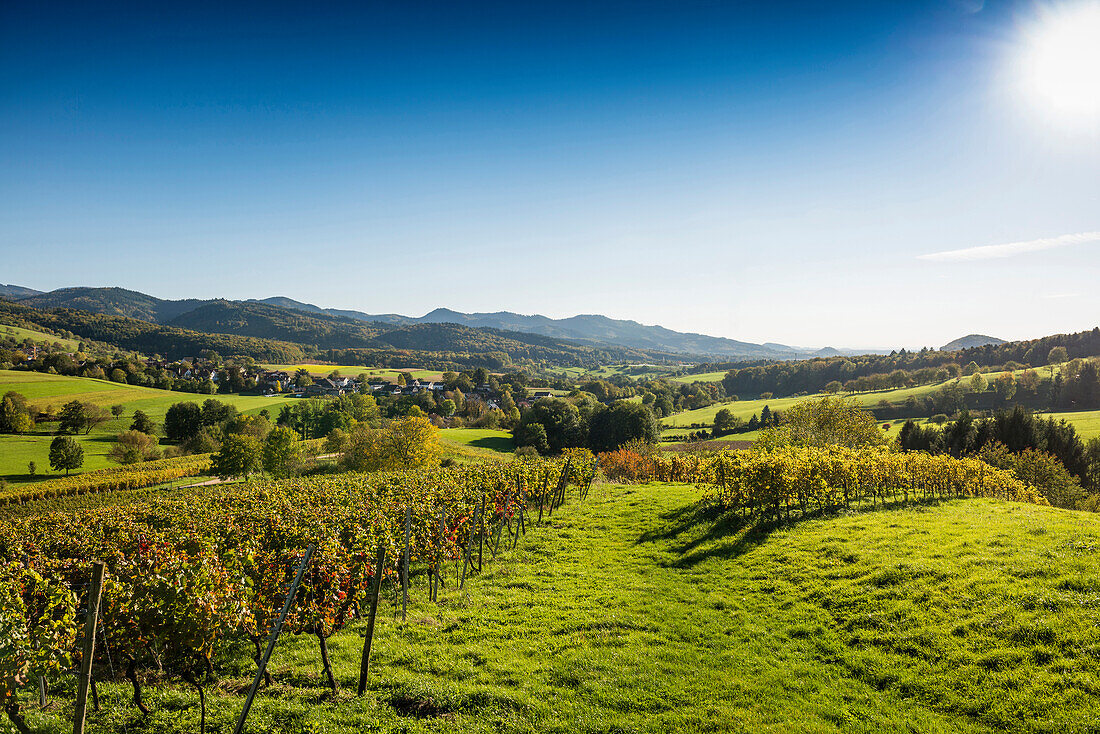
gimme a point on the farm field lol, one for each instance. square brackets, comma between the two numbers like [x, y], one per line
[964, 616]
[355, 370]
[19, 333]
[44, 389]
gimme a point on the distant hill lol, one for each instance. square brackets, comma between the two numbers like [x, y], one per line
[600, 332]
[970, 341]
[16, 291]
[588, 328]
[114, 302]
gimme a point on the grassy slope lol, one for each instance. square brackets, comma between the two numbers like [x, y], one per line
[42, 389]
[630, 613]
[19, 333]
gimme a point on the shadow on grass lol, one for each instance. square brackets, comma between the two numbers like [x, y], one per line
[494, 443]
[708, 532]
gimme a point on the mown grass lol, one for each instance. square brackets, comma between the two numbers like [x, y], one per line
[42, 390]
[482, 438]
[637, 612]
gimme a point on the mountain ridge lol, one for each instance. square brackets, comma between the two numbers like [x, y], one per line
[589, 329]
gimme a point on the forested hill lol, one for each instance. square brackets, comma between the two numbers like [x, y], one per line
[147, 338]
[591, 329]
[327, 332]
[113, 302]
[877, 372]
[970, 341]
[270, 334]
[588, 328]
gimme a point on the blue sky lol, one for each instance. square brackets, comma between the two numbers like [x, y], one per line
[763, 171]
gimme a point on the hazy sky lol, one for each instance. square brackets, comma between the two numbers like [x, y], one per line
[805, 173]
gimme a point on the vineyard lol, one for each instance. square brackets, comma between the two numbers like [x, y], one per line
[133, 476]
[188, 575]
[771, 484]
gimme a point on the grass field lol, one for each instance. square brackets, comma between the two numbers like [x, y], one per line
[347, 370]
[1086, 422]
[499, 442]
[43, 389]
[701, 377]
[19, 333]
[632, 612]
[746, 408]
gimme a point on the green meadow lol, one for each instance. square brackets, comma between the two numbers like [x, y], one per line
[636, 611]
[19, 334]
[42, 390]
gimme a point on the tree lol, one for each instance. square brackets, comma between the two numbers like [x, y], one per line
[15, 416]
[72, 417]
[280, 454]
[1057, 355]
[833, 387]
[182, 421]
[130, 447]
[94, 416]
[117, 411]
[978, 383]
[238, 456]
[830, 422]
[1028, 382]
[561, 420]
[143, 423]
[534, 436]
[364, 450]
[411, 443]
[32, 468]
[1005, 386]
[724, 422]
[66, 453]
[447, 407]
[621, 423]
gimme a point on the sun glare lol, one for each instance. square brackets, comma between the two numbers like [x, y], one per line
[1059, 64]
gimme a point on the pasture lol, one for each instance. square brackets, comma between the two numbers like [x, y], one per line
[44, 390]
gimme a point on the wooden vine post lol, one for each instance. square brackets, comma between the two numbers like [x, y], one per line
[364, 662]
[405, 564]
[275, 630]
[95, 589]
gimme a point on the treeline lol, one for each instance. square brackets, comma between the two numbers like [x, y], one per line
[897, 369]
[552, 425]
[1018, 430]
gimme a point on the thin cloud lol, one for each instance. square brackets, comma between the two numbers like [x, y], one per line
[1011, 249]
